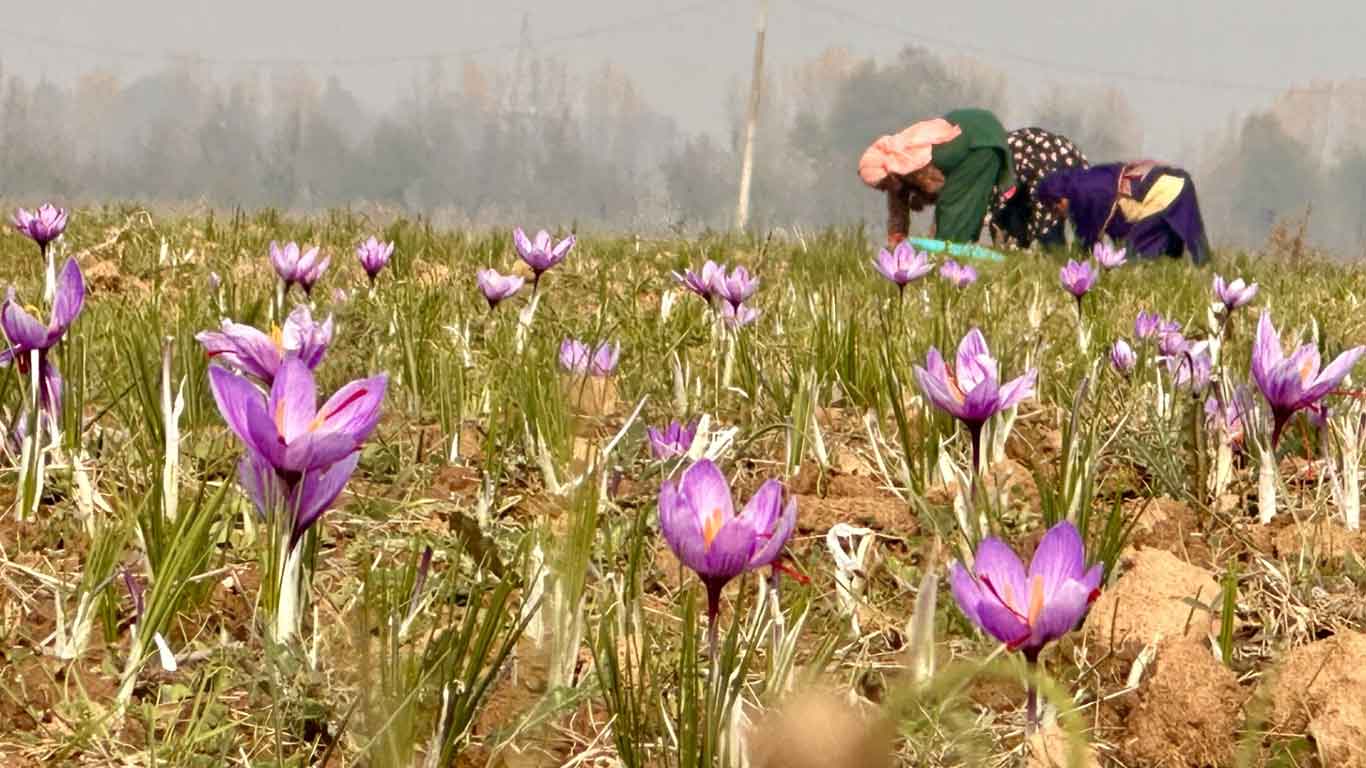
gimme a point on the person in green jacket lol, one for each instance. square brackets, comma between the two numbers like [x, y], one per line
[960, 164]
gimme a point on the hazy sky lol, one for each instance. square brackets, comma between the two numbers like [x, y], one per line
[685, 53]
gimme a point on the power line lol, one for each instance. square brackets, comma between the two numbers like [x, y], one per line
[996, 53]
[351, 61]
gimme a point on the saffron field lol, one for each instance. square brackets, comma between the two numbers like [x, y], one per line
[607, 504]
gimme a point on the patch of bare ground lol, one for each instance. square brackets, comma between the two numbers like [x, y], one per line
[1152, 600]
[1320, 690]
[1188, 713]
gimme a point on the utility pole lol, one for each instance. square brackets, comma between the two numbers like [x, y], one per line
[752, 121]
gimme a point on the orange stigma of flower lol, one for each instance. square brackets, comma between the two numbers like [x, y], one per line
[954, 389]
[1306, 370]
[712, 526]
[277, 337]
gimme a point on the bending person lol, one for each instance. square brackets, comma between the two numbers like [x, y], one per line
[1152, 208]
[955, 163]
[1024, 219]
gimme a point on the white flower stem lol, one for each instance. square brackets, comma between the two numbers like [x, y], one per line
[1266, 485]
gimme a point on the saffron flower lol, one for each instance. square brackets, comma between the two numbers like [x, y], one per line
[1122, 357]
[539, 254]
[1293, 383]
[257, 354]
[1234, 294]
[374, 256]
[700, 283]
[673, 441]
[578, 358]
[1147, 325]
[27, 335]
[1108, 256]
[971, 391]
[496, 287]
[736, 287]
[43, 225]
[1171, 343]
[738, 316]
[698, 520]
[1077, 278]
[286, 429]
[1192, 367]
[1231, 416]
[961, 275]
[295, 265]
[902, 265]
[1028, 610]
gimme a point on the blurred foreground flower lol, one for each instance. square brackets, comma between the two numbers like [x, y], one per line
[578, 358]
[1148, 325]
[1230, 417]
[903, 265]
[971, 391]
[254, 353]
[1122, 357]
[698, 520]
[1028, 610]
[1108, 256]
[735, 287]
[496, 287]
[700, 283]
[374, 256]
[26, 334]
[673, 441]
[1234, 294]
[1192, 367]
[1171, 343]
[43, 225]
[539, 254]
[961, 275]
[1293, 383]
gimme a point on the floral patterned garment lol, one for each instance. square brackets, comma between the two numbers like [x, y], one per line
[1022, 220]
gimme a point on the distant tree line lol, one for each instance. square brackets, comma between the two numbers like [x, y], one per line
[552, 147]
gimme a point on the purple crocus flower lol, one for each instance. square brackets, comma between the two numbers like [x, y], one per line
[1108, 256]
[286, 429]
[1293, 383]
[496, 287]
[374, 256]
[578, 358]
[1170, 342]
[961, 275]
[971, 390]
[698, 520]
[1122, 357]
[902, 265]
[258, 354]
[700, 283]
[738, 316]
[1147, 325]
[304, 497]
[1192, 367]
[736, 287]
[673, 441]
[311, 269]
[1026, 610]
[26, 334]
[539, 253]
[43, 225]
[295, 265]
[1077, 278]
[1234, 294]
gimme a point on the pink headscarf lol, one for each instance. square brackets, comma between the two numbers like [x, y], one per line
[904, 152]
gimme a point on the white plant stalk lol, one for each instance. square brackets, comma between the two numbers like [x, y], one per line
[920, 630]
[171, 409]
[1266, 485]
[288, 611]
[852, 550]
[1348, 430]
[524, 320]
[533, 608]
[680, 385]
[33, 458]
[1222, 475]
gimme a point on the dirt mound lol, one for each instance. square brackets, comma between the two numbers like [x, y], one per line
[1321, 690]
[1165, 523]
[1150, 601]
[106, 277]
[1051, 747]
[1189, 712]
[1322, 541]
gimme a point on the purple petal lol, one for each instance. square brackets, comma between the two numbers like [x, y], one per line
[730, 550]
[293, 400]
[22, 329]
[319, 489]
[681, 527]
[241, 404]
[1060, 558]
[763, 508]
[520, 242]
[66, 305]
[966, 591]
[1001, 622]
[1000, 572]
[707, 491]
[1060, 613]
[774, 540]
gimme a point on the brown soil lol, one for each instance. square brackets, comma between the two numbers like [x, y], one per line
[854, 499]
[1321, 541]
[1170, 525]
[1150, 601]
[1007, 480]
[1052, 747]
[819, 731]
[106, 277]
[1320, 690]
[1188, 712]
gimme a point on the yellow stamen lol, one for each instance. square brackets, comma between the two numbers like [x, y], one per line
[280, 418]
[277, 336]
[1035, 599]
[711, 527]
[1305, 370]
